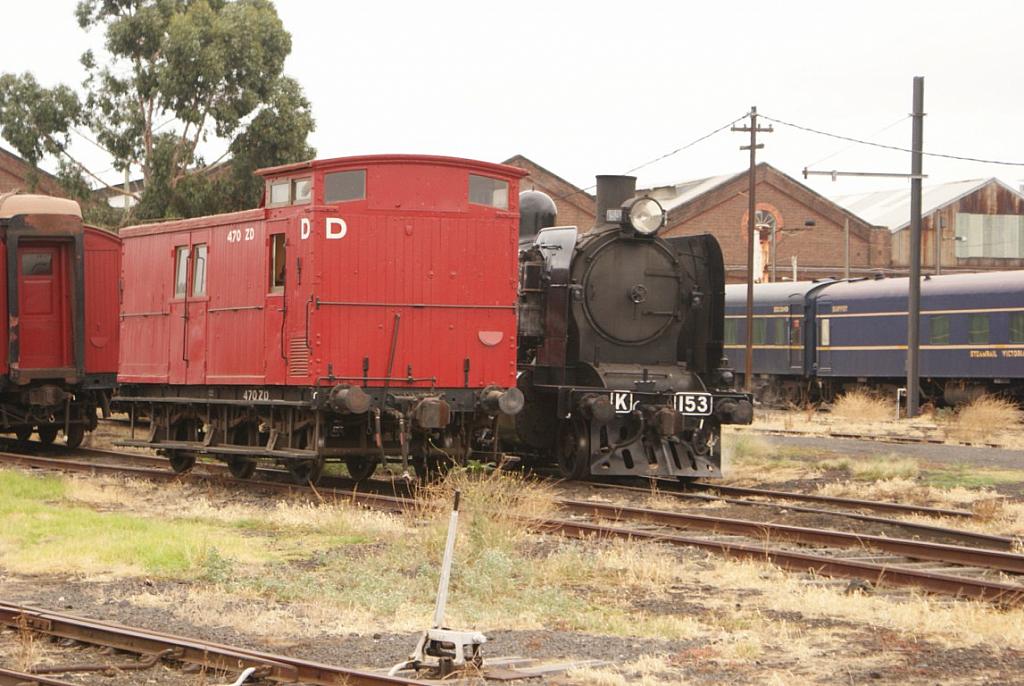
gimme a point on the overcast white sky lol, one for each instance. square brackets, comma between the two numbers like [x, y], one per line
[587, 88]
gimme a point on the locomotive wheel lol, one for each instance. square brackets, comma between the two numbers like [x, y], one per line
[360, 467]
[75, 435]
[574, 450]
[23, 433]
[181, 461]
[47, 434]
[242, 467]
[431, 468]
[306, 472]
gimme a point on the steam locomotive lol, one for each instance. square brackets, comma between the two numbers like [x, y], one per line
[620, 342]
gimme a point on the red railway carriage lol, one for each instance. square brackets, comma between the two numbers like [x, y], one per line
[59, 294]
[366, 311]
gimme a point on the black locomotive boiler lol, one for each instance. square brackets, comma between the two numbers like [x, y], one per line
[620, 342]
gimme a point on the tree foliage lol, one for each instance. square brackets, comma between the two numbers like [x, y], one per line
[173, 74]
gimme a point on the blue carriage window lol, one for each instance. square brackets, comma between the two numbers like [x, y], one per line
[977, 329]
[939, 330]
[760, 331]
[732, 331]
[1017, 327]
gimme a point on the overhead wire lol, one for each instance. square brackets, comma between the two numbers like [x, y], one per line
[885, 146]
[853, 145]
[662, 157]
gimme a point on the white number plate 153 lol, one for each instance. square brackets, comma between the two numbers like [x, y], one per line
[698, 404]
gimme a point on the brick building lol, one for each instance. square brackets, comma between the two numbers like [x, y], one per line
[15, 173]
[807, 226]
[575, 206]
[810, 231]
[980, 224]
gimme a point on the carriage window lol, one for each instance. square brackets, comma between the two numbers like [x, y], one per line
[180, 271]
[277, 263]
[732, 331]
[199, 271]
[939, 330]
[487, 191]
[778, 331]
[345, 186]
[36, 264]
[977, 328]
[826, 332]
[302, 190]
[794, 332]
[760, 331]
[1017, 327]
[280, 192]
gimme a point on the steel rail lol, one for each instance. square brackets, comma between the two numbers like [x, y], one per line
[833, 500]
[878, 574]
[277, 668]
[376, 500]
[922, 550]
[9, 677]
[978, 538]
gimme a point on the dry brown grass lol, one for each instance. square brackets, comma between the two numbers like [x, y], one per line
[983, 417]
[860, 406]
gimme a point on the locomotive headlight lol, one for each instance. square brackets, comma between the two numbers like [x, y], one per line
[646, 216]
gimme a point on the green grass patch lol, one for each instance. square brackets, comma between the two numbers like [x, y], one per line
[965, 476]
[40, 532]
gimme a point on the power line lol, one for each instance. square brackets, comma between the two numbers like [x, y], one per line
[853, 145]
[890, 147]
[662, 157]
[688, 145]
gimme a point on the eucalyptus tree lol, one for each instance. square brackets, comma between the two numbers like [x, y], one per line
[172, 75]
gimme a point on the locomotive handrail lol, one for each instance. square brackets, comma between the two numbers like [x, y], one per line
[352, 303]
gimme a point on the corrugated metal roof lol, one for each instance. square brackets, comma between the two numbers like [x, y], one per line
[679, 194]
[892, 208]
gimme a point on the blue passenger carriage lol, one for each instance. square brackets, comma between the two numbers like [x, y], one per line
[855, 332]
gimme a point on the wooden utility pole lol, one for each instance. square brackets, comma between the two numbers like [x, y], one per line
[914, 304]
[753, 130]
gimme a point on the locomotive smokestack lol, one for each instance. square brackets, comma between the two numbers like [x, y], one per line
[612, 191]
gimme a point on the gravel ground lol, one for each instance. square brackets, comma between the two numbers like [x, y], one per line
[873, 655]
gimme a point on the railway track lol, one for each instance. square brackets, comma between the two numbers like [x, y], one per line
[918, 528]
[955, 569]
[897, 439]
[152, 644]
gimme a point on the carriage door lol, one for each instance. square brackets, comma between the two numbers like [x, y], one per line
[196, 303]
[796, 337]
[44, 309]
[823, 353]
[188, 306]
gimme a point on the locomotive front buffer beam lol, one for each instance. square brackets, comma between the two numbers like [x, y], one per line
[629, 433]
